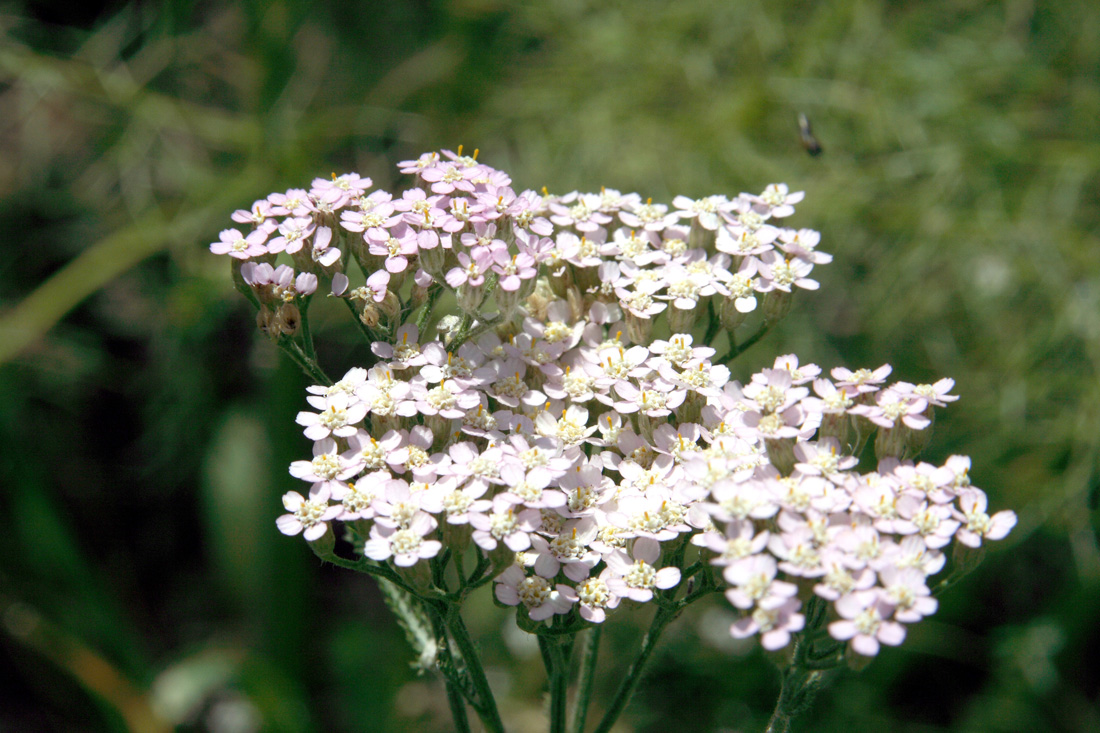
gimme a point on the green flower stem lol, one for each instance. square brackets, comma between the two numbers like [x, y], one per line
[307, 334]
[483, 702]
[803, 677]
[458, 707]
[737, 349]
[309, 366]
[713, 323]
[589, 652]
[367, 332]
[634, 674]
[555, 656]
[426, 312]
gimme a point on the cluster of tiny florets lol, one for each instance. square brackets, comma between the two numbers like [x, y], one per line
[568, 423]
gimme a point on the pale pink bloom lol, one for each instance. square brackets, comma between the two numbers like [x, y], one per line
[823, 458]
[594, 596]
[308, 516]
[293, 233]
[776, 200]
[569, 547]
[905, 589]
[358, 499]
[649, 216]
[504, 524]
[774, 624]
[460, 504]
[705, 210]
[912, 552]
[538, 596]
[636, 580]
[739, 541]
[802, 243]
[339, 417]
[742, 500]
[840, 578]
[861, 380]
[260, 216]
[294, 202]
[754, 583]
[350, 184]
[863, 622]
[797, 552]
[351, 382]
[234, 244]
[327, 464]
[406, 545]
[976, 524]
[932, 522]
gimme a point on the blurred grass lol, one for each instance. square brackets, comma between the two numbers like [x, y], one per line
[147, 428]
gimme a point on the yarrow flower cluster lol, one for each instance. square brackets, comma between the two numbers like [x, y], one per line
[570, 424]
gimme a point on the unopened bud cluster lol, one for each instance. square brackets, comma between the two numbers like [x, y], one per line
[565, 424]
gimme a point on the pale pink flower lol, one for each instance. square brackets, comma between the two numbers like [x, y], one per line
[976, 524]
[774, 624]
[541, 599]
[308, 516]
[863, 622]
[406, 545]
[234, 244]
[636, 580]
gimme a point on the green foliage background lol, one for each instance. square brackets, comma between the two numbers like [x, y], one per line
[147, 426]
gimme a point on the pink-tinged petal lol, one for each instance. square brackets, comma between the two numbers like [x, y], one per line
[430, 549]
[593, 615]
[288, 524]
[315, 532]
[743, 628]
[518, 541]
[1001, 524]
[647, 549]
[866, 645]
[666, 577]
[377, 548]
[891, 633]
[546, 565]
[843, 630]
[506, 594]
[775, 639]
[541, 613]
[292, 500]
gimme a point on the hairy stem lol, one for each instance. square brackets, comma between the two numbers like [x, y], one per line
[484, 703]
[589, 652]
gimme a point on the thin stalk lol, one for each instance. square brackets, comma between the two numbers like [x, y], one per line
[555, 657]
[458, 707]
[713, 323]
[307, 334]
[634, 673]
[307, 365]
[736, 349]
[589, 652]
[426, 313]
[485, 705]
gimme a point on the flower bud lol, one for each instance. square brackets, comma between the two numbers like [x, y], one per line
[638, 328]
[680, 320]
[730, 316]
[470, 298]
[390, 305]
[777, 304]
[890, 442]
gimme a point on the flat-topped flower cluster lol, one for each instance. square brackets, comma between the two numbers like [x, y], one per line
[572, 425]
